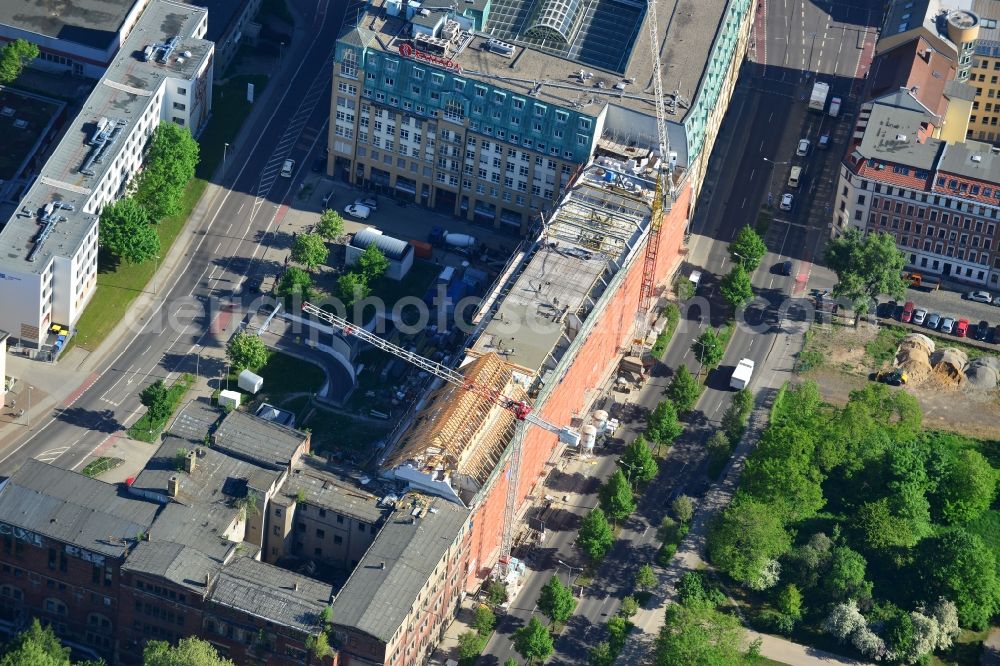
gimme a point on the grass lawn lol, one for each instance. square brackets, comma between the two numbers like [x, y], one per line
[118, 286]
[99, 466]
[965, 652]
[147, 429]
[673, 315]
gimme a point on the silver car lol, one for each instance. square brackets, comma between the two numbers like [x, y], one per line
[947, 325]
[919, 315]
[933, 321]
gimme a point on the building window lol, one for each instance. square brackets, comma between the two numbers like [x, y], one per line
[179, 106]
[320, 533]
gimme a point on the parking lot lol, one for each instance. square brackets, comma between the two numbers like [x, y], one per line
[948, 303]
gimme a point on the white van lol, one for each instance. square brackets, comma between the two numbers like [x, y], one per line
[793, 177]
[286, 168]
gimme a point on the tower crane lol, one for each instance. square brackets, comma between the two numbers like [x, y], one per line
[664, 190]
[520, 409]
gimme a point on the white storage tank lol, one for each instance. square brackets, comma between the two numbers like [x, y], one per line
[589, 438]
[601, 421]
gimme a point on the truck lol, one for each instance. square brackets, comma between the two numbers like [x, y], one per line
[817, 100]
[742, 374]
[834, 107]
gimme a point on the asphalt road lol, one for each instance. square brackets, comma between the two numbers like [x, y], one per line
[227, 241]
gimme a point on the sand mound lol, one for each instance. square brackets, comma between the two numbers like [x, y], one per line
[913, 357]
[984, 373]
[914, 340]
[949, 366]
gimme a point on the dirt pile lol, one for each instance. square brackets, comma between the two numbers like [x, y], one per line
[984, 373]
[913, 357]
[949, 366]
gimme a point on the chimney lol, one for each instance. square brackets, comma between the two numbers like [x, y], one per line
[173, 485]
[208, 580]
[295, 586]
[190, 460]
[927, 54]
[381, 565]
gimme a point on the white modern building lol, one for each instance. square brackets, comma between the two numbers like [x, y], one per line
[48, 248]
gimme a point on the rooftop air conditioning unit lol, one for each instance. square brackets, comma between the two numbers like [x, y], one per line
[977, 158]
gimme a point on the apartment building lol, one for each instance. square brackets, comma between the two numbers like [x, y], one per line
[985, 74]
[486, 111]
[48, 269]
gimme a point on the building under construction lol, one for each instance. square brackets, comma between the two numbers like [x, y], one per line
[552, 331]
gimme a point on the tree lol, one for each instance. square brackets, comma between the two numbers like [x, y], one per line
[246, 351]
[683, 390]
[352, 288]
[645, 579]
[790, 601]
[156, 399]
[35, 646]
[736, 287]
[748, 248]
[330, 225]
[781, 471]
[295, 282]
[601, 655]
[845, 575]
[556, 600]
[866, 267]
[880, 529]
[639, 461]
[372, 263]
[699, 635]
[187, 652]
[965, 487]
[618, 628]
[485, 620]
[629, 607]
[958, 565]
[595, 536]
[663, 426]
[125, 231]
[533, 641]
[746, 539]
[169, 166]
[692, 590]
[844, 619]
[310, 250]
[616, 497]
[318, 645]
[470, 645]
[510, 662]
[683, 508]
[14, 57]
[708, 348]
[496, 593]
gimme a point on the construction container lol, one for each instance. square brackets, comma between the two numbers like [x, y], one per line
[250, 382]
[422, 250]
[229, 399]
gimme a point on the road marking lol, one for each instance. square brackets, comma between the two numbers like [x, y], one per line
[217, 247]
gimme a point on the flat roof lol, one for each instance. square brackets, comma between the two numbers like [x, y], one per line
[382, 590]
[972, 159]
[121, 96]
[329, 490]
[89, 22]
[75, 509]
[609, 46]
[272, 593]
[600, 219]
[891, 135]
[259, 440]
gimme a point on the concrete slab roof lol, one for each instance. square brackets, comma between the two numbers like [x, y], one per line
[124, 92]
[89, 22]
[75, 509]
[972, 159]
[382, 590]
[892, 136]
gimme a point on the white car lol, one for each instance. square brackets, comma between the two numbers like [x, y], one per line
[786, 202]
[287, 168]
[358, 211]
[803, 148]
[979, 296]
[919, 316]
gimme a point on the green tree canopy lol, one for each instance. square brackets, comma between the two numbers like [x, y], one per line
[663, 426]
[790, 601]
[683, 508]
[683, 390]
[965, 485]
[736, 287]
[330, 225]
[699, 635]
[169, 166]
[556, 600]
[533, 641]
[125, 232]
[352, 288]
[846, 576]
[957, 565]
[639, 461]
[881, 529]
[295, 282]
[187, 652]
[14, 57]
[485, 620]
[156, 399]
[748, 248]
[708, 348]
[372, 263]
[746, 539]
[310, 250]
[645, 578]
[781, 470]
[595, 536]
[617, 498]
[246, 350]
[866, 267]
[35, 646]
[470, 645]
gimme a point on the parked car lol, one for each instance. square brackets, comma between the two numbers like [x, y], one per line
[978, 296]
[253, 285]
[933, 321]
[906, 316]
[919, 316]
[803, 148]
[287, 168]
[982, 331]
[786, 202]
[995, 337]
[824, 142]
[887, 309]
[367, 202]
[783, 268]
[962, 328]
[947, 324]
[358, 211]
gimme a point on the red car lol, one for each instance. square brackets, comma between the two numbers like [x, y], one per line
[962, 328]
[906, 315]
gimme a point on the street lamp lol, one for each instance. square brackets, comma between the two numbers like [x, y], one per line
[27, 414]
[560, 562]
[225, 148]
[770, 184]
[156, 267]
